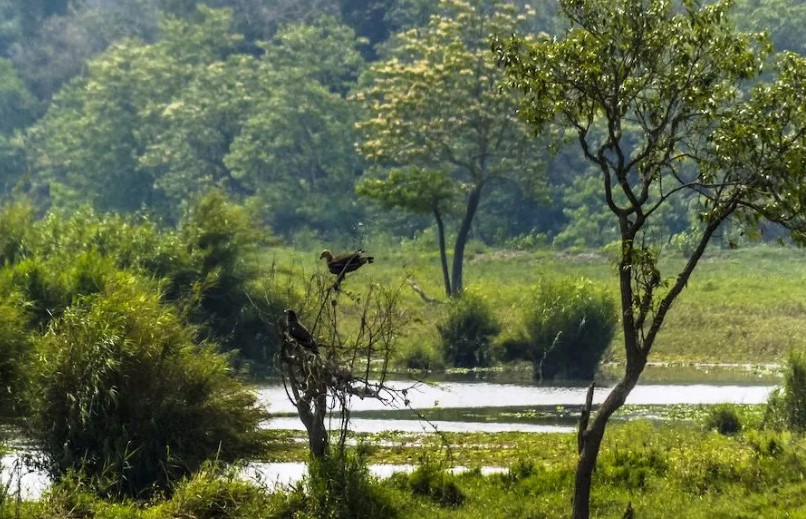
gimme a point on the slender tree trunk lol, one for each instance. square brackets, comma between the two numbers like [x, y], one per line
[637, 345]
[314, 422]
[461, 240]
[591, 439]
[443, 256]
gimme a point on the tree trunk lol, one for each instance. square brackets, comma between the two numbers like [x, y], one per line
[461, 240]
[443, 256]
[314, 422]
[591, 441]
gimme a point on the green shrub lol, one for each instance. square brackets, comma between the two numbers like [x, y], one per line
[16, 222]
[429, 480]
[339, 486]
[420, 357]
[14, 351]
[724, 419]
[40, 288]
[121, 390]
[519, 471]
[468, 331]
[632, 467]
[208, 267]
[221, 241]
[216, 492]
[786, 408]
[568, 324]
[74, 497]
[795, 391]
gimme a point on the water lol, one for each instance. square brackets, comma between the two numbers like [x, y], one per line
[274, 475]
[378, 425]
[445, 396]
[483, 394]
[18, 477]
[463, 395]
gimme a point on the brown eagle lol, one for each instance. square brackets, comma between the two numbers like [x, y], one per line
[297, 331]
[344, 263]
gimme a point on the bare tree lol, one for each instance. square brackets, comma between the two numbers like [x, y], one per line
[344, 353]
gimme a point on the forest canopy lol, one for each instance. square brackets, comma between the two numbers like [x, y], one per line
[142, 106]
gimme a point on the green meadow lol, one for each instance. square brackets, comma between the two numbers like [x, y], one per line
[672, 470]
[744, 306]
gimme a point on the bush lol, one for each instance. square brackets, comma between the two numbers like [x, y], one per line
[14, 350]
[208, 266]
[468, 332]
[420, 358]
[339, 486]
[724, 419]
[216, 492]
[429, 480]
[73, 498]
[568, 325]
[787, 408]
[633, 467]
[16, 221]
[120, 392]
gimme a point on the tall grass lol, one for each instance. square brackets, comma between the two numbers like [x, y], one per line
[746, 305]
[121, 394]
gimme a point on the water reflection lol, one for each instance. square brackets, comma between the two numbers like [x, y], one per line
[273, 475]
[484, 394]
[18, 477]
[364, 425]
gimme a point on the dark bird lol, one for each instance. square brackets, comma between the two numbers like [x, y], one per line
[344, 263]
[297, 331]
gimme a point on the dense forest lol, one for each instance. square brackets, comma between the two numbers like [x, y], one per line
[290, 106]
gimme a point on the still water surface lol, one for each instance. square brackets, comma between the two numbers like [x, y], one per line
[447, 395]
[453, 395]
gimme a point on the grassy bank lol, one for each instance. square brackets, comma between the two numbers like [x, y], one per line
[741, 306]
[672, 470]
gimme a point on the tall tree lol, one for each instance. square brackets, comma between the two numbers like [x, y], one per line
[93, 142]
[60, 45]
[435, 104]
[296, 148]
[783, 19]
[674, 73]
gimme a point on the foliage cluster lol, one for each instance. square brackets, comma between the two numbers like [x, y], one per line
[724, 419]
[568, 324]
[431, 481]
[786, 408]
[121, 390]
[111, 335]
[468, 331]
[340, 486]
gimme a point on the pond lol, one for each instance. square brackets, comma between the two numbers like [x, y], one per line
[459, 406]
[449, 407]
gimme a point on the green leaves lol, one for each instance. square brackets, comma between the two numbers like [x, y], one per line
[435, 101]
[435, 109]
[416, 189]
[122, 390]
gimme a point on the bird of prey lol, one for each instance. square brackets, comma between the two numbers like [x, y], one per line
[297, 331]
[344, 263]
